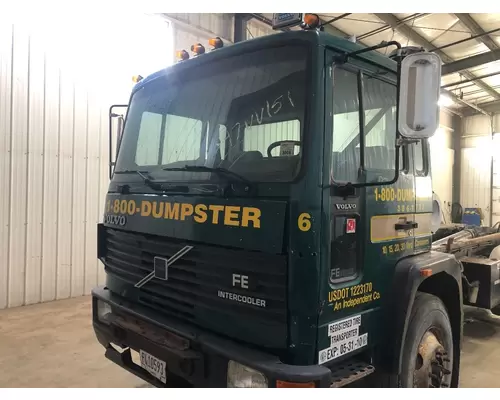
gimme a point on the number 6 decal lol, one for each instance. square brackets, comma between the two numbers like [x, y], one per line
[304, 222]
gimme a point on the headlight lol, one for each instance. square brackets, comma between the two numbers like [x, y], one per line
[240, 376]
[103, 311]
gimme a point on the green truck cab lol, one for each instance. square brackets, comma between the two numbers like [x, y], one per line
[255, 236]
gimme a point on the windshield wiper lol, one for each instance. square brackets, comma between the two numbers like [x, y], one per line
[219, 171]
[153, 184]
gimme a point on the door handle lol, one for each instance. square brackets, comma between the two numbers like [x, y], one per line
[406, 226]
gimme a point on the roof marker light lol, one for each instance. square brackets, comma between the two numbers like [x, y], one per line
[198, 49]
[311, 21]
[137, 78]
[216, 43]
[182, 55]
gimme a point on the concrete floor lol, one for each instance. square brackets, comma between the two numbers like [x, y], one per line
[53, 345]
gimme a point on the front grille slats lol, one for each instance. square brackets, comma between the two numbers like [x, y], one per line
[191, 274]
[222, 257]
[194, 281]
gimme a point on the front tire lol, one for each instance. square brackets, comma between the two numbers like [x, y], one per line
[428, 346]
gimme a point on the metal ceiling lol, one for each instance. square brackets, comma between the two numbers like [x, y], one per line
[468, 44]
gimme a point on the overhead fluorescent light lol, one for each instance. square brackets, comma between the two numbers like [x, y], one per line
[445, 101]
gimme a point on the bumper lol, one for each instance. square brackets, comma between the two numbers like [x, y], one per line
[193, 357]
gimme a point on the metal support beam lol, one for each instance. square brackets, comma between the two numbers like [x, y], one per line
[492, 107]
[330, 29]
[413, 18]
[474, 27]
[471, 62]
[465, 103]
[405, 30]
[334, 31]
[240, 27]
[458, 113]
[456, 83]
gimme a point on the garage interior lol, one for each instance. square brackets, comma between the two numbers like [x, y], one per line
[54, 165]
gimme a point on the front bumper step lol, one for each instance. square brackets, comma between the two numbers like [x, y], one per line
[350, 371]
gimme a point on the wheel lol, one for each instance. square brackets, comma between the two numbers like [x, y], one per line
[428, 346]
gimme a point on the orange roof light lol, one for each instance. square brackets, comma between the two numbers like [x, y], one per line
[137, 78]
[285, 384]
[426, 272]
[198, 49]
[182, 55]
[311, 20]
[216, 43]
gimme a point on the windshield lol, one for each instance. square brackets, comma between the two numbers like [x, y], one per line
[379, 112]
[243, 113]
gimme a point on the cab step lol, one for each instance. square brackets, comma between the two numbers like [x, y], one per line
[350, 371]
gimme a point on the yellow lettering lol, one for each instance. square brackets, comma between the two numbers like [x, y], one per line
[231, 216]
[201, 215]
[131, 207]
[251, 214]
[145, 208]
[186, 210]
[158, 213]
[172, 210]
[123, 206]
[215, 210]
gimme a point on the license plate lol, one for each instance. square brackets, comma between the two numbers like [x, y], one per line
[154, 366]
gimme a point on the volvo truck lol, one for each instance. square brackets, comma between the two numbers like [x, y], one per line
[269, 222]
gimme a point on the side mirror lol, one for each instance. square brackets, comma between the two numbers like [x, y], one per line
[419, 88]
[119, 129]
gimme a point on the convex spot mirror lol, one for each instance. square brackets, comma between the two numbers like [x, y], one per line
[419, 95]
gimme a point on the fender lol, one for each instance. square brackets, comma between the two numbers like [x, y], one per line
[406, 282]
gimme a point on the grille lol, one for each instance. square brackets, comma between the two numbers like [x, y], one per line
[194, 281]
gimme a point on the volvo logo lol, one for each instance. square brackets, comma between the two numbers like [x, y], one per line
[160, 269]
[346, 206]
[117, 220]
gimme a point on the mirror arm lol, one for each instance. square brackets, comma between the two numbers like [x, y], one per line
[401, 141]
[343, 58]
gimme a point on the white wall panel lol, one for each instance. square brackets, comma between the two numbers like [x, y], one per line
[35, 169]
[478, 151]
[55, 92]
[49, 196]
[198, 28]
[475, 180]
[442, 161]
[256, 29]
[19, 166]
[205, 25]
[6, 33]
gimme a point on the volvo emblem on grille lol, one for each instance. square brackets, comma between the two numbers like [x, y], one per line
[160, 269]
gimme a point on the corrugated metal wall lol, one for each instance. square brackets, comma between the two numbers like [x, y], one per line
[478, 152]
[198, 28]
[442, 161]
[53, 174]
[56, 86]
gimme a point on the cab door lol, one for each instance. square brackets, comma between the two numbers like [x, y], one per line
[365, 227]
[423, 196]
